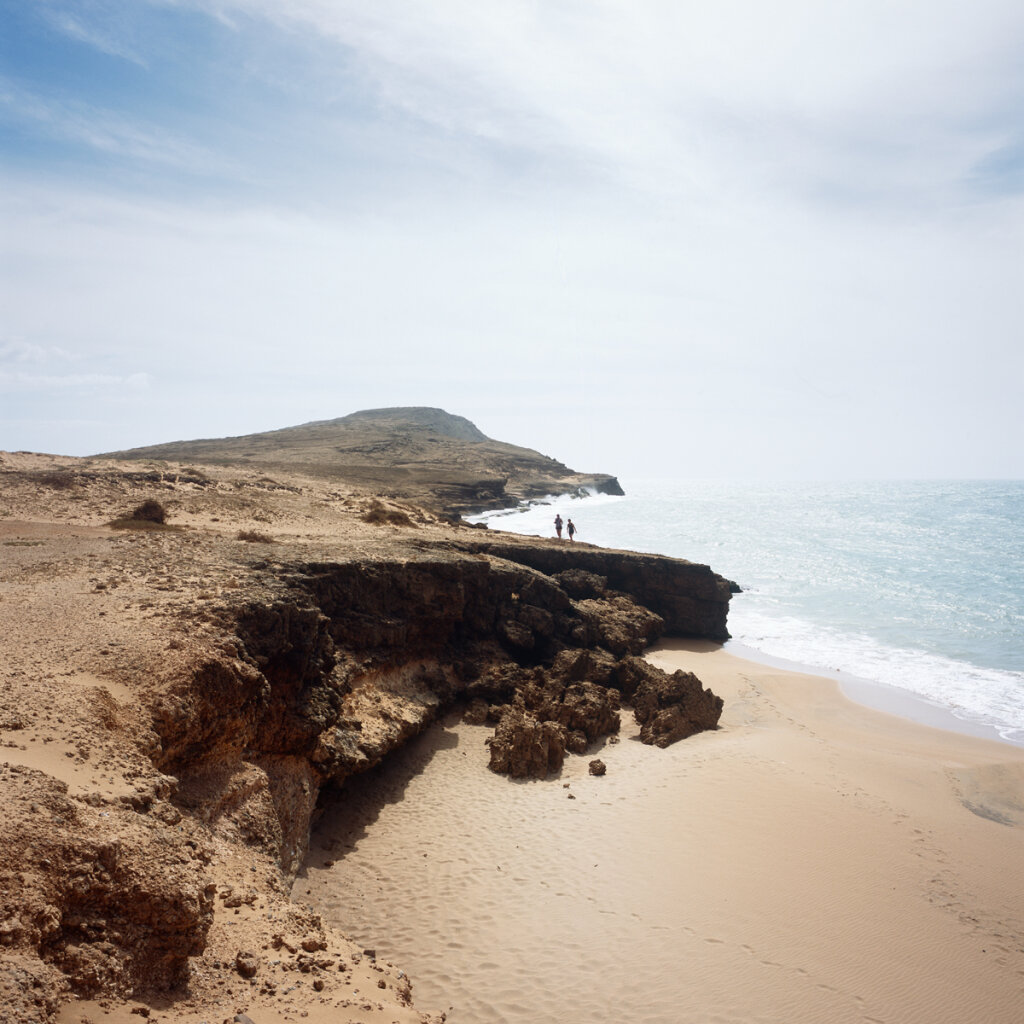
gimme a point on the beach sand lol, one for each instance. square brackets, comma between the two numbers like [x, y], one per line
[812, 860]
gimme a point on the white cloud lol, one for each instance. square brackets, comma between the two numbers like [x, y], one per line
[105, 131]
[700, 99]
[72, 25]
[78, 381]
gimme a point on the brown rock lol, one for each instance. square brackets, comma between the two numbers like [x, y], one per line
[247, 964]
[672, 707]
[523, 747]
[476, 712]
[598, 767]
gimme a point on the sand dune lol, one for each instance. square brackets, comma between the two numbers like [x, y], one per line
[810, 861]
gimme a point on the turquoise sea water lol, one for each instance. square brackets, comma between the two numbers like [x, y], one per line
[918, 586]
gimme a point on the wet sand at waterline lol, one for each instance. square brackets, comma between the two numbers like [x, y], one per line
[812, 860]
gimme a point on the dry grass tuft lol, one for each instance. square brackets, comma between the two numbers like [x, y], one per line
[151, 511]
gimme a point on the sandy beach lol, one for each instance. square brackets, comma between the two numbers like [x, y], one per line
[812, 860]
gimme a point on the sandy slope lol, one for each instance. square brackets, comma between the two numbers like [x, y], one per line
[95, 624]
[810, 861]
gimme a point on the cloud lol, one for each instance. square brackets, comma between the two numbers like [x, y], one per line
[22, 352]
[105, 131]
[29, 367]
[72, 25]
[697, 100]
[90, 382]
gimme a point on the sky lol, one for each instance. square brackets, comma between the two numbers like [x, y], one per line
[645, 237]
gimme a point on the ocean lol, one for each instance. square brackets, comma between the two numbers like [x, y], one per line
[898, 589]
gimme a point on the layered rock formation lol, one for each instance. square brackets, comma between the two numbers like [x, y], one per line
[355, 657]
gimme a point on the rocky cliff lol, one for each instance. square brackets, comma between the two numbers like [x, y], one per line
[349, 659]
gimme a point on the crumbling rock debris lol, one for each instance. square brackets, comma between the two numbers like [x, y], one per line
[672, 707]
[524, 747]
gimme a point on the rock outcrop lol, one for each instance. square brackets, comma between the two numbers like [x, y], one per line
[124, 909]
[690, 598]
[669, 707]
[356, 657]
[525, 747]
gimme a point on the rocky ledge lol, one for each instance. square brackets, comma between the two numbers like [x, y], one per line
[361, 655]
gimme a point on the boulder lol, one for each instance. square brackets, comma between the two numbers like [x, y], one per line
[672, 707]
[525, 748]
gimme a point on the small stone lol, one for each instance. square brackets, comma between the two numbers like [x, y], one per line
[382, 983]
[598, 767]
[572, 796]
[247, 964]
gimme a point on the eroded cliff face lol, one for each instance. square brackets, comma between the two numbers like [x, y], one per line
[351, 659]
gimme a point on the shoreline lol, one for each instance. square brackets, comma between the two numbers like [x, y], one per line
[812, 859]
[878, 696]
[946, 689]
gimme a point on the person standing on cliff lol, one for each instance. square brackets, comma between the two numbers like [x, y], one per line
[570, 528]
[558, 525]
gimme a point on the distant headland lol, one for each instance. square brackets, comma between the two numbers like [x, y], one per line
[414, 453]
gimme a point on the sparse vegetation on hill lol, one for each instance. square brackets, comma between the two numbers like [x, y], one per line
[423, 455]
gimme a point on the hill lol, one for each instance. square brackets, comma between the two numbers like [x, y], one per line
[420, 454]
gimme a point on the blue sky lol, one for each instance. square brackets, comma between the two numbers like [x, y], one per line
[648, 238]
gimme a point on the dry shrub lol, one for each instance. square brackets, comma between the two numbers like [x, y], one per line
[151, 511]
[255, 537]
[150, 515]
[379, 513]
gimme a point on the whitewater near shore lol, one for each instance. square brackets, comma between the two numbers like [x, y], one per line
[915, 586]
[811, 860]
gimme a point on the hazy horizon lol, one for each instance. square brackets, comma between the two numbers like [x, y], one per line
[659, 239]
